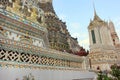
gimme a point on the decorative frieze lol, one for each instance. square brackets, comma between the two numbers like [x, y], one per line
[27, 48]
[17, 18]
[36, 59]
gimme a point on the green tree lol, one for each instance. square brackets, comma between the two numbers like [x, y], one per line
[103, 76]
[115, 71]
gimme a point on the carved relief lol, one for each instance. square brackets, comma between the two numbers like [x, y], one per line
[5, 3]
[40, 17]
[28, 9]
[2, 31]
[38, 43]
[28, 77]
[26, 39]
[24, 10]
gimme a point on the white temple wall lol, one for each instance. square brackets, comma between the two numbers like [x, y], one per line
[90, 37]
[20, 73]
[97, 35]
[105, 36]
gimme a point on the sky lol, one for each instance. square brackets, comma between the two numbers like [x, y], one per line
[77, 15]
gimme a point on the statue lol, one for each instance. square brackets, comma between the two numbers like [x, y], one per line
[29, 77]
[40, 17]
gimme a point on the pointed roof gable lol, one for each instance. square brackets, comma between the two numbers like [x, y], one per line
[96, 20]
[96, 17]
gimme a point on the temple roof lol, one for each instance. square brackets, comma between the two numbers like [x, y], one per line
[96, 21]
[96, 17]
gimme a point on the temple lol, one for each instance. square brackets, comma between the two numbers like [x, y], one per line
[58, 35]
[36, 45]
[104, 44]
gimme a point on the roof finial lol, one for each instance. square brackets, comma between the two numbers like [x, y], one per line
[94, 9]
[96, 17]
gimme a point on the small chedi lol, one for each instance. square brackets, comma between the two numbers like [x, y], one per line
[32, 39]
[104, 44]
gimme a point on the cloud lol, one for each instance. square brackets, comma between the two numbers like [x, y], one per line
[75, 25]
[82, 35]
[76, 35]
[118, 23]
[75, 29]
[84, 43]
[83, 39]
[62, 17]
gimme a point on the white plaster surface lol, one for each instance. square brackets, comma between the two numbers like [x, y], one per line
[18, 73]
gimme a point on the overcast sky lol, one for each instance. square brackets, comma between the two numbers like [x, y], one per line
[77, 15]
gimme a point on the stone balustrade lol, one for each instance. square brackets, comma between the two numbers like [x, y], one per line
[29, 54]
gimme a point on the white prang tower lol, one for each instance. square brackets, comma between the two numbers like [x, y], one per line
[104, 43]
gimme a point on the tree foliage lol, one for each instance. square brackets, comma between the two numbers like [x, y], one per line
[115, 73]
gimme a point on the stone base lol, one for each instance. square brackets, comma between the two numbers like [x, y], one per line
[11, 73]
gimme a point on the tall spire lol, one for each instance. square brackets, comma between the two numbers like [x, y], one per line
[96, 17]
[94, 9]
